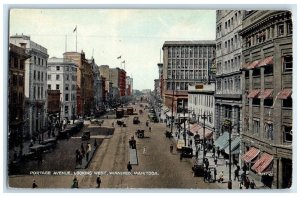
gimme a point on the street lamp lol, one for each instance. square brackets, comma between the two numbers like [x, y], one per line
[227, 124]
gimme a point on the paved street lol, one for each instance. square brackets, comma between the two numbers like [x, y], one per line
[157, 168]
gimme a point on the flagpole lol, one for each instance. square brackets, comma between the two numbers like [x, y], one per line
[76, 38]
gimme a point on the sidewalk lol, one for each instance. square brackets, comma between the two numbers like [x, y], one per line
[221, 166]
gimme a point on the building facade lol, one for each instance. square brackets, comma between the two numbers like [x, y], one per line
[267, 102]
[98, 99]
[228, 92]
[118, 77]
[62, 76]
[35, 84]
[129, 85]
[184, 63]
[160, 77]
[85, 82]
[201, 100]
[16, 95]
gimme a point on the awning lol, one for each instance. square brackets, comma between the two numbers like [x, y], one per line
[250, 155]
[285, 93]
[253, 93]
[265, 94]
[194, 128]
[236, 151]
[208, 133]
[222, 141]
[235, 143]
[261, 164]
[246, 65]
[253, 64]
[266, 61]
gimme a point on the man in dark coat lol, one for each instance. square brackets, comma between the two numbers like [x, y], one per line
[129, 167]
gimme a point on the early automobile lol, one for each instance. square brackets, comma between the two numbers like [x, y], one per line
[139, 133]
[186, 152]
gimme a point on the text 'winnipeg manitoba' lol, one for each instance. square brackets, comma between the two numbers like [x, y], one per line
[92, 173]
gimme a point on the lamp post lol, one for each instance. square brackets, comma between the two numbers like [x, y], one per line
[204, 117]
[227, 124]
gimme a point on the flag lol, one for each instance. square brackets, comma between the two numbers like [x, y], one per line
[75, 29]
[123, 61]
[119, 57]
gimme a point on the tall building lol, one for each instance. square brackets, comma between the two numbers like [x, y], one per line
[62, 76]
[228, 95]
[98, 99]
[267, 74]
[184, 63]
[35, 84]
[129, 85]
[118, 77]
[16, 95]
[104, 73]
[160, 77]
[85, 82]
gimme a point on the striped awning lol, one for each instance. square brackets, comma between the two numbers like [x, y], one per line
[266, 61]
[194, 128]
[265, 94]
[253, 93]
[222, 141]
[246, 65]
[208, 133]
[261, 165]
[250, 155]
[235, 143]
[285, 93]
[253, 64]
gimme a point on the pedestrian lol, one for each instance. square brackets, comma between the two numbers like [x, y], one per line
[82, 150]
[216, 160]
[206, 163]
[75, 183]
[215, 173]
[236, 174]
[149, 129]
[214, 152]
[171, 148]
[205, 175]
[191, 142]
[34, 185]
[129, 167]
[209, 176]
[221, 177]
[144, 150]
[252, 184]
[98, 181]
[88, 150]
[218, 152]
[247, 182]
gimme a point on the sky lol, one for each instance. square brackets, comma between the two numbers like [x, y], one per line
[137, 35]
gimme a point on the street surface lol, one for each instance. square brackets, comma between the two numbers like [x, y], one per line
[157, 167]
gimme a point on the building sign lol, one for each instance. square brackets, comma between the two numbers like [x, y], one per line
[53, 101]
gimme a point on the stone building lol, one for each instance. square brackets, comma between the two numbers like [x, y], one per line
[184, 63]
[62, 76]
[85, 82]
[267, 73]
[228, 93]
[35, 85]
[16, 95]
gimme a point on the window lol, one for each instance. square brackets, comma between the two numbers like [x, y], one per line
[42, 92]
[34, 74]
[256, 126]
[34, 59]
[49, 86]
[39, 75]
[288, 63]
[42, 76]
[67, 97]
[269, 131]
[16, 61]
[67, 87]
[256, 72]
[57, 77]
[280, 30]
[256, 101]
[34, 92]
[39, 61]
[57, 67]
[57, 86]
[49, 77]
[42, 62]
[66, 109]
[268, 102]
[225, 25]
[289, 28]
[287, 134]
[287, 102]
[268, 70]
[39, 93]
